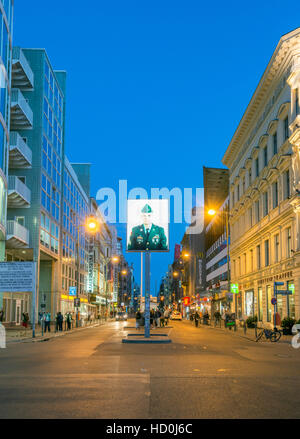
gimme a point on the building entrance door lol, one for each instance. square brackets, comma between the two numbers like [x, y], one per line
[249, 303]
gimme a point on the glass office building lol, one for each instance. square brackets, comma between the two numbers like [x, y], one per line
[6, 15]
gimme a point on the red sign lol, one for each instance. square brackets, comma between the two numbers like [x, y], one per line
[186, 301]
[177, 252]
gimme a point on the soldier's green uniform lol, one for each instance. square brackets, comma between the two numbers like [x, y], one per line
[153, 239]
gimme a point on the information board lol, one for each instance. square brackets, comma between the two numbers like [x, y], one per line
[17, 277]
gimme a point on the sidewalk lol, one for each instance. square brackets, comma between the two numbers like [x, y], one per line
[240, 332]
[22, 335]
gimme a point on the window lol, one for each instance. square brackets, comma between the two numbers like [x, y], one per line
[257, 212]
[256, 167]
[275, 194]
[275, 143]
[269, 304]
[265, 156]
[238, 192]
[288, 243]
[244, 185]
[286, 128]
[276, 247]
[266, 203]
[267, 255]
[260, 305]
[20, 220]
[250, 176]
[250, 217]
[287, 190]
[297, 102]
[251, 260]
[258, 257]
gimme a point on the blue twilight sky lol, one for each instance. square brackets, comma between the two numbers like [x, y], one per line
[155, 89]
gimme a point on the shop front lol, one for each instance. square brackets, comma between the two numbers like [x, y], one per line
[14, 305]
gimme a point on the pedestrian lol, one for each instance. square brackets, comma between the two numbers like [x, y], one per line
[59, 320]
[138, 317]
[162, 320]
[196, 318]
[166, 316]
[157, 317]
[1, 315]
[68, 320]
[151, 318]
[25, 319]
[47, 321]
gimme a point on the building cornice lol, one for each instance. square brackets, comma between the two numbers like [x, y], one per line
[279, 67]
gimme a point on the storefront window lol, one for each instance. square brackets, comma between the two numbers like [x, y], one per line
[280, 305]
[291, 300]
[239, 306]
[269, 304]
[260, 305]
[249, 303]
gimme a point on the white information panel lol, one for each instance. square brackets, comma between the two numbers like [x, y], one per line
[17, 277]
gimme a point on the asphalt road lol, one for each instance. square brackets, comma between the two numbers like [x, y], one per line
[203, 373]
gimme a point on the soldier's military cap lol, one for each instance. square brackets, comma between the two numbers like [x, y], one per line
[147, 209]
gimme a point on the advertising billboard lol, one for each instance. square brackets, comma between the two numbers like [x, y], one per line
[148, 225]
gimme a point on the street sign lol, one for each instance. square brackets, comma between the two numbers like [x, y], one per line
[234, 288]
[72, 291]
[277, 284]
[77, 303]
[274, 301]
[284, 292]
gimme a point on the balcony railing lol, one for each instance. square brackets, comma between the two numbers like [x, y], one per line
[20, 155]
[22, 75]
[17, 236]
[19, 195]
[21, 113]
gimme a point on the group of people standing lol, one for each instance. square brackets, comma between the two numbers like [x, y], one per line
[158, 318]
[45, 320]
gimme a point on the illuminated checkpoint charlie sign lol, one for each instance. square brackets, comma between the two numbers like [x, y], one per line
[148, 225]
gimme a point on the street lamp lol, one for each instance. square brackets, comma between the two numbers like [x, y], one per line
[91, 226]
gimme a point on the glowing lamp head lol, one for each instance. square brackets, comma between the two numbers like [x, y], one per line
[211, 212]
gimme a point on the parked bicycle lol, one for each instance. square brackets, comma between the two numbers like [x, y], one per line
[269, 334]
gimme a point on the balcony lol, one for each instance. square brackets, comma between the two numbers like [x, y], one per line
[19, 195]
[17, 236]
[22, 75]
[21, 113]
[20, 155]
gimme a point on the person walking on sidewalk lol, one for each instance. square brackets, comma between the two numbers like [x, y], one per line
[138, 317]
[25, 320]
[59, 321]
[157, 317]
[197, 318]
[68, 320]
[167, 316]
[47, 321]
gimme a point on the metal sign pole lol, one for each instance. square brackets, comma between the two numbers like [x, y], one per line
[34, 293]
[147, 294]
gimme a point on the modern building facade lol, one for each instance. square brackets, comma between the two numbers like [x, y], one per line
[49, 200]
[264, 165]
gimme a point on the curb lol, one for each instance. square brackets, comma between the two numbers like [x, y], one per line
[41, 339]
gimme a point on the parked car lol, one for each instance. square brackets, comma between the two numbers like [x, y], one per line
[121, 317]
[176, 315]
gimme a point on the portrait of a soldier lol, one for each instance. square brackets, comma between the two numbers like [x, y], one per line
[147, 236]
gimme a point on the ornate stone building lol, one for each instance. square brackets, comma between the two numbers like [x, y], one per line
[263, 158]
